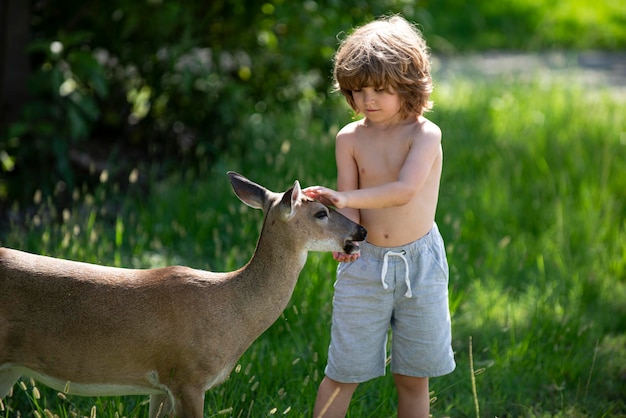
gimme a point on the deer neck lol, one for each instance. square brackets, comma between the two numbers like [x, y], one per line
[270, 277]
[275, 265]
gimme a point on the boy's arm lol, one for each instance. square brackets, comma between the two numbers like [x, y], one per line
[410, 181]
[347, 179]
[347, 174]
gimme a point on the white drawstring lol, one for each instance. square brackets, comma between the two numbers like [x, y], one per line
[401, 254]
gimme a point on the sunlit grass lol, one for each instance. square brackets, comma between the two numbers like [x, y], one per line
[524, 25]
[533, 211]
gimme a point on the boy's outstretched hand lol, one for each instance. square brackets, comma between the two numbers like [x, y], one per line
[345, 258]
[327, 196]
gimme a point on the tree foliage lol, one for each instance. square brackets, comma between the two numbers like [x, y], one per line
[116, 84]
[119, 82]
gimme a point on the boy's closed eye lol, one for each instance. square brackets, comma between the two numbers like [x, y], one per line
[377, 90]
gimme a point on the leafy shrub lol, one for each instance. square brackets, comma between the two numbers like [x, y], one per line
[118, 84]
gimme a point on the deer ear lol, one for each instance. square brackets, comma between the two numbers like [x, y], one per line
[291, 200]
[247, 191]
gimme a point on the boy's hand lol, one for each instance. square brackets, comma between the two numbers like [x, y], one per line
[345, 258]
[327, 196]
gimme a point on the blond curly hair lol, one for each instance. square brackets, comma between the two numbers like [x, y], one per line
[388, 52]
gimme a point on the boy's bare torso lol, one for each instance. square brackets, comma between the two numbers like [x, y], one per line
[380, 154]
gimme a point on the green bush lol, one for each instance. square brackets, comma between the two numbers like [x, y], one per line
[125, 85]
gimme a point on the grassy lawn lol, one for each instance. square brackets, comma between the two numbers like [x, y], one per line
[533, 211]
[534, 25]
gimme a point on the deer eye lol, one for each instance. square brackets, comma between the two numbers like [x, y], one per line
[322, 214]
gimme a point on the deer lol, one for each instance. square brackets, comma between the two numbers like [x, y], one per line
[171, 333]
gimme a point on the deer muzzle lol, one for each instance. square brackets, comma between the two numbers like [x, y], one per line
[351, 246]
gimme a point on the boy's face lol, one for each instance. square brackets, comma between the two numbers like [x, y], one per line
[377, 104]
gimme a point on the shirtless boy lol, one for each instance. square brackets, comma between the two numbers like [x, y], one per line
[388, 173]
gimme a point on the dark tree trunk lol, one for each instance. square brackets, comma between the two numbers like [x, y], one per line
[14, 66]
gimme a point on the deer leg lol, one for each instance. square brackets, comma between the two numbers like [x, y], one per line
[160, 406]
[7, 379]
[191, 404]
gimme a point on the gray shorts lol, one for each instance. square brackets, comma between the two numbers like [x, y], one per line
[405, 288]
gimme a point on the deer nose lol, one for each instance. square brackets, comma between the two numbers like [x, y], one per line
[361, 233]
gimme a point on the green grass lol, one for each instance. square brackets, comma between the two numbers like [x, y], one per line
[533, 206]
[533, 211]
[531, 25]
